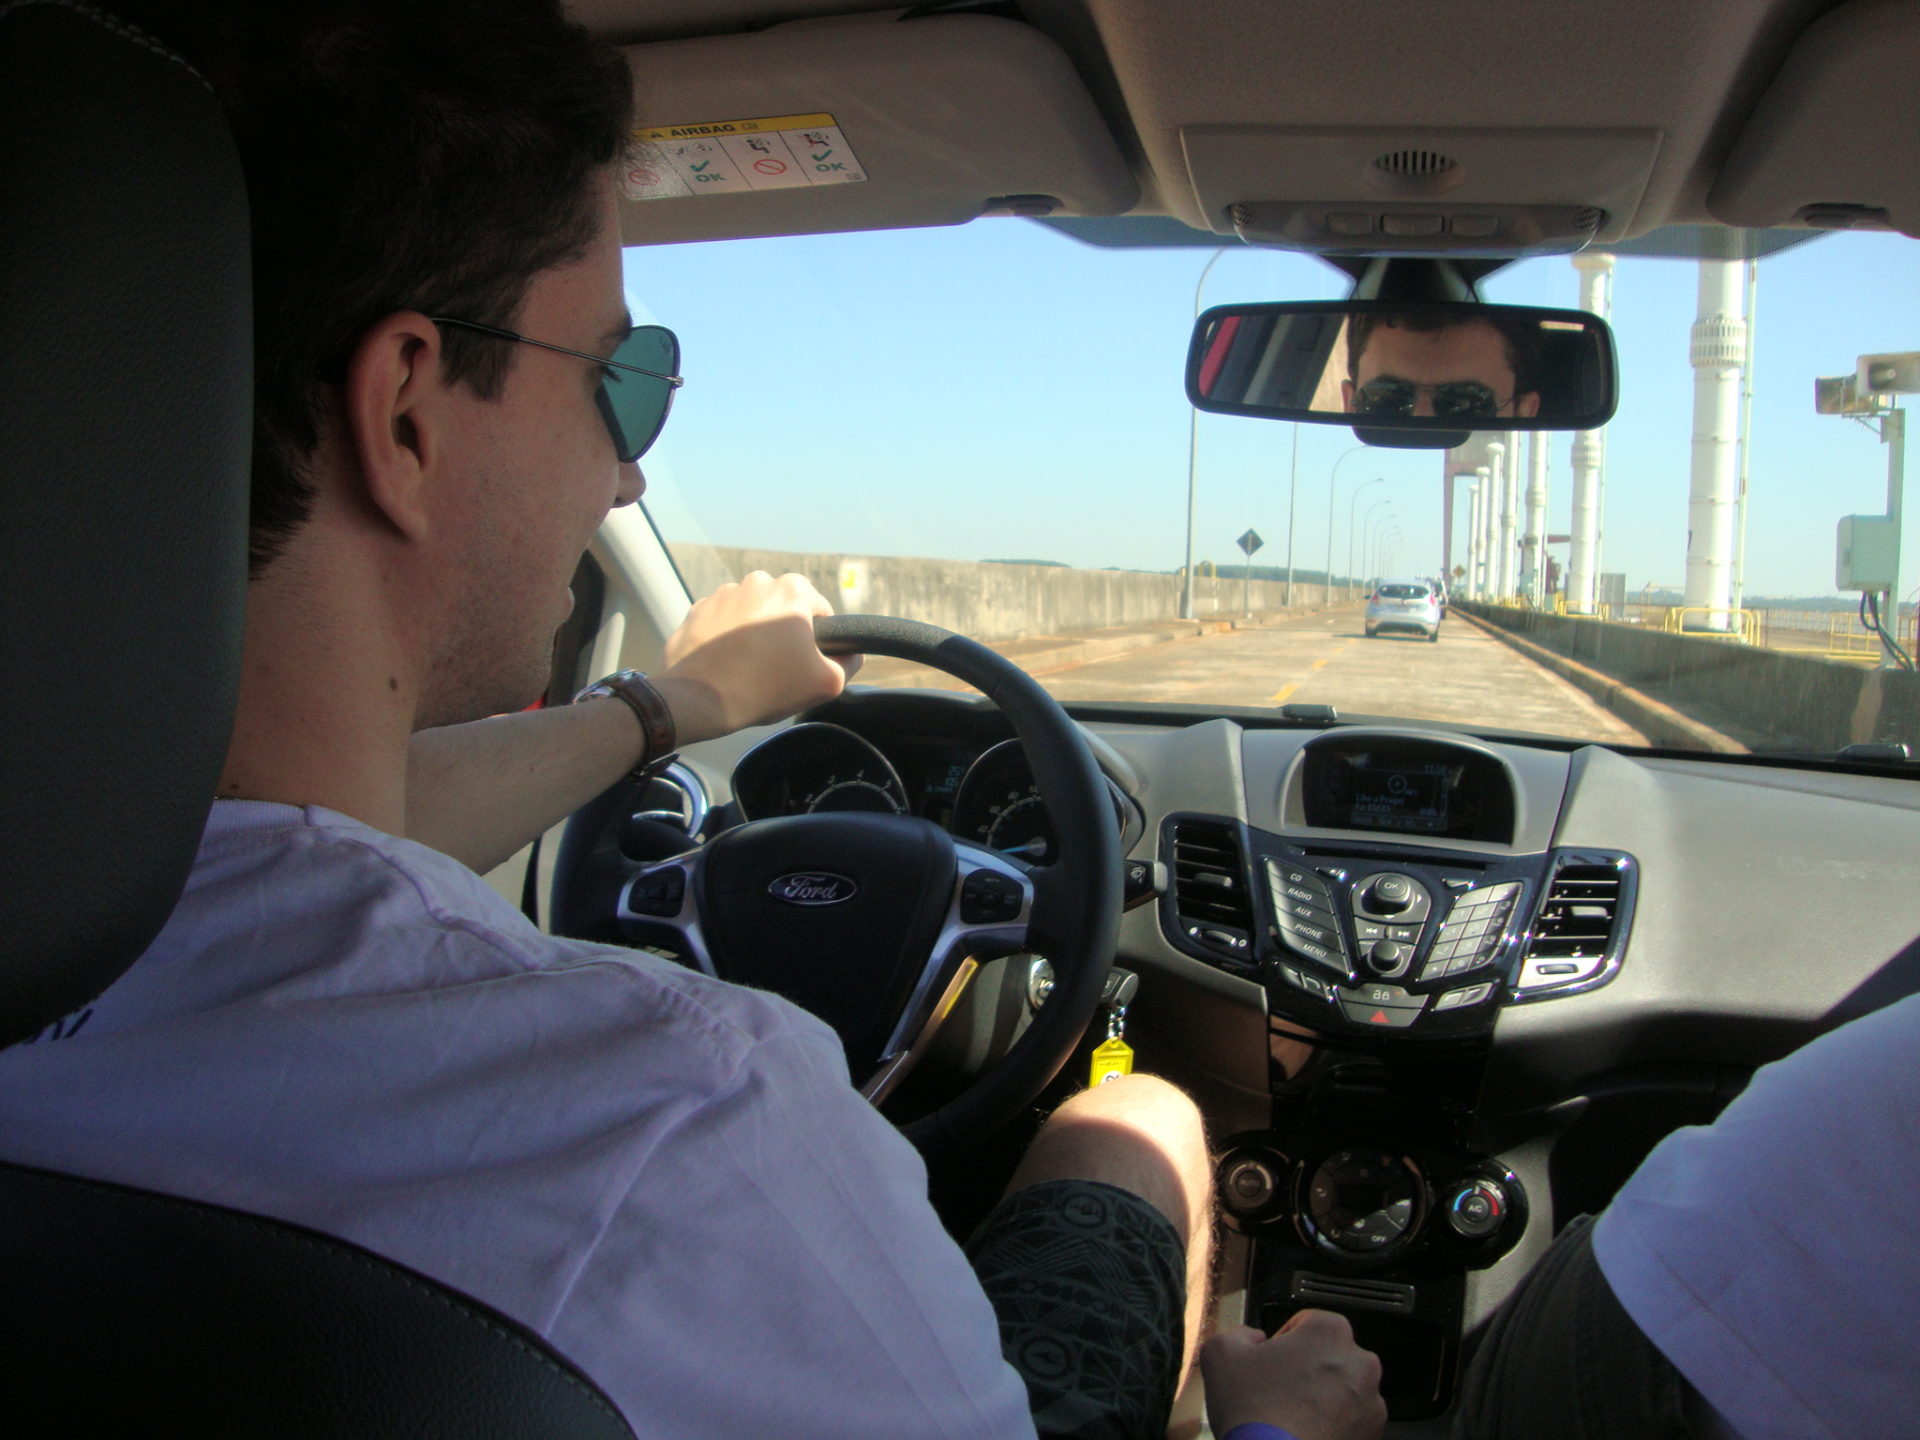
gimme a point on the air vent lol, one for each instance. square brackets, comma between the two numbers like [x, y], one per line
[1415, 172]
[1581, 925]
[1210, 900]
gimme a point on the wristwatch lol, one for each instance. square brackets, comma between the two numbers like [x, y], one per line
[650, 708]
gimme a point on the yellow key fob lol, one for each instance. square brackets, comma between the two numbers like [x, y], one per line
[1112, 1060]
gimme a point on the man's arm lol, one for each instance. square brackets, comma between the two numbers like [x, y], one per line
[744, 656]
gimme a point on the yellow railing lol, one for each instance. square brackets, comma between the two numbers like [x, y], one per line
[1742, 625]
[1848, 639]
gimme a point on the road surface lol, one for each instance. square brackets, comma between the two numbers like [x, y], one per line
[1468, 677]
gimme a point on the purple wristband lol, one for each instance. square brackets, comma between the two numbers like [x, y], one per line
[1258, 1430]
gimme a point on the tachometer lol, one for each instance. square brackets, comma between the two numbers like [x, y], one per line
[861, 790]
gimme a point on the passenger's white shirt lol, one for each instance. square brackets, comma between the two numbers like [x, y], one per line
[669, 1177]
[1773, 1256]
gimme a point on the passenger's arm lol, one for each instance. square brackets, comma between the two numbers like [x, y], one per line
[744, 656]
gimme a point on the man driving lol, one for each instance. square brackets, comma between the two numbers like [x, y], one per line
[343, 1026]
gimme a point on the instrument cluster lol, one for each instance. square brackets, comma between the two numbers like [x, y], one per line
[988, 797]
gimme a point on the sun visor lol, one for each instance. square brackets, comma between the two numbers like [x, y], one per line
[1368, 191]
[861, 124]
[1833, 141]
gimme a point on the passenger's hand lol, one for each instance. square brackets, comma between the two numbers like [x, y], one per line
[745, 655]
[1308, 1377]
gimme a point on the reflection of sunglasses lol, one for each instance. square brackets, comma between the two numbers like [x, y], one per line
[634, 409]
[1389, 395]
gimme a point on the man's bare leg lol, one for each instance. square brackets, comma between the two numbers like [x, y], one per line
[1144, 1136]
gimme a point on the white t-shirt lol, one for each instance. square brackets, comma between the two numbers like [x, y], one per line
[1773, 1256]
[669, 1177]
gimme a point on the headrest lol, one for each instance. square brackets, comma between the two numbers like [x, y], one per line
[125, 432]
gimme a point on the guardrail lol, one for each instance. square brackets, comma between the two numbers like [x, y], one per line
[1770, 698]
[1742, 625]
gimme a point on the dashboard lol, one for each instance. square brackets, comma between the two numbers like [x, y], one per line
[1436, 991]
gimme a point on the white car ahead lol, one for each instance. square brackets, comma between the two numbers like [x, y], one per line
[1407, 605]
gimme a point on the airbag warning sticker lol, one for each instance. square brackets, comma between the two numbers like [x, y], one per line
[722, 156]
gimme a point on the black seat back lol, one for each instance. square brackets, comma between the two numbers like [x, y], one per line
[125, 433]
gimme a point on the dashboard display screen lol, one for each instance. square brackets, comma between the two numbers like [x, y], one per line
[1401, 797]
[1408, 786]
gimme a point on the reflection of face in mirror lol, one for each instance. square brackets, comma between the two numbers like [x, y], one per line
[1429, 365]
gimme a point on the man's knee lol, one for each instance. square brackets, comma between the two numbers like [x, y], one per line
[1137, 1132]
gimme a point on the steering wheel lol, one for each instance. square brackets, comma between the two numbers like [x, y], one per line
[876, 923]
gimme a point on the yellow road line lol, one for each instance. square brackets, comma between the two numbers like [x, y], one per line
[1315, 666]
[1279, 696]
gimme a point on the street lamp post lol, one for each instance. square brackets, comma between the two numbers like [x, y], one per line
[1193, 454]
[1366, 528]
[1352, 503]
[1385, 544]
[1332, 481]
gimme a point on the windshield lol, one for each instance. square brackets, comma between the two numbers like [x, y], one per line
[985, 427]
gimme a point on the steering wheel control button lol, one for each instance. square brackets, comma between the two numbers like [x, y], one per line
[989, 898]
[658, 892]
[1477, 1209]
[1145, 880]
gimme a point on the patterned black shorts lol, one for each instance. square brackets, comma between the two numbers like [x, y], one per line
[1089, 1284]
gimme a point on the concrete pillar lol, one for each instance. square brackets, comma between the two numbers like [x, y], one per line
[1473, 538]
[1535, 581]
[1483, 535]
[1718, 354]
[1589, 455]
[1496, 510]
[1510, 519]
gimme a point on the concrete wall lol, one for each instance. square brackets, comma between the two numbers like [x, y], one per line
[1768, 699]
[988, 602]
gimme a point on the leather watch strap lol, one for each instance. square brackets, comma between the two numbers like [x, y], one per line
[652, 711]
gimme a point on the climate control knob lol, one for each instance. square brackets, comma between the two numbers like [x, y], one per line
[1477, 1209]
[1247, 1185]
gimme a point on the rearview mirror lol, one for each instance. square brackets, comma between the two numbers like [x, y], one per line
[1387, 366]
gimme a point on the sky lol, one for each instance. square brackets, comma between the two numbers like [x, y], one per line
[998, 390]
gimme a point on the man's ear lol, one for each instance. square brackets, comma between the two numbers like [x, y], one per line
[1527, 404]
[396, 418]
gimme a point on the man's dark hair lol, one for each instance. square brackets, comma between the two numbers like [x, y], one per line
[431, 155]
[1520, 339]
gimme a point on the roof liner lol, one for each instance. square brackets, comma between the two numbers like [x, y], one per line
[1683, 77]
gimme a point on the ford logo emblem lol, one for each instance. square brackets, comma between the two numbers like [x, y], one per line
[813, 887]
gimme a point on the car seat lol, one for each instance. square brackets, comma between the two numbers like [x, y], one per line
[125, 433]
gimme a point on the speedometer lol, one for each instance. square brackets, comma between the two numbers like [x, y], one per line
[813, 768]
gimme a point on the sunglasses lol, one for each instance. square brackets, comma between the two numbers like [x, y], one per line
[1389, 395]
[636, 382]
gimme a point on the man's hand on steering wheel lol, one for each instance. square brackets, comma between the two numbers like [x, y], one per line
[746, 655]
